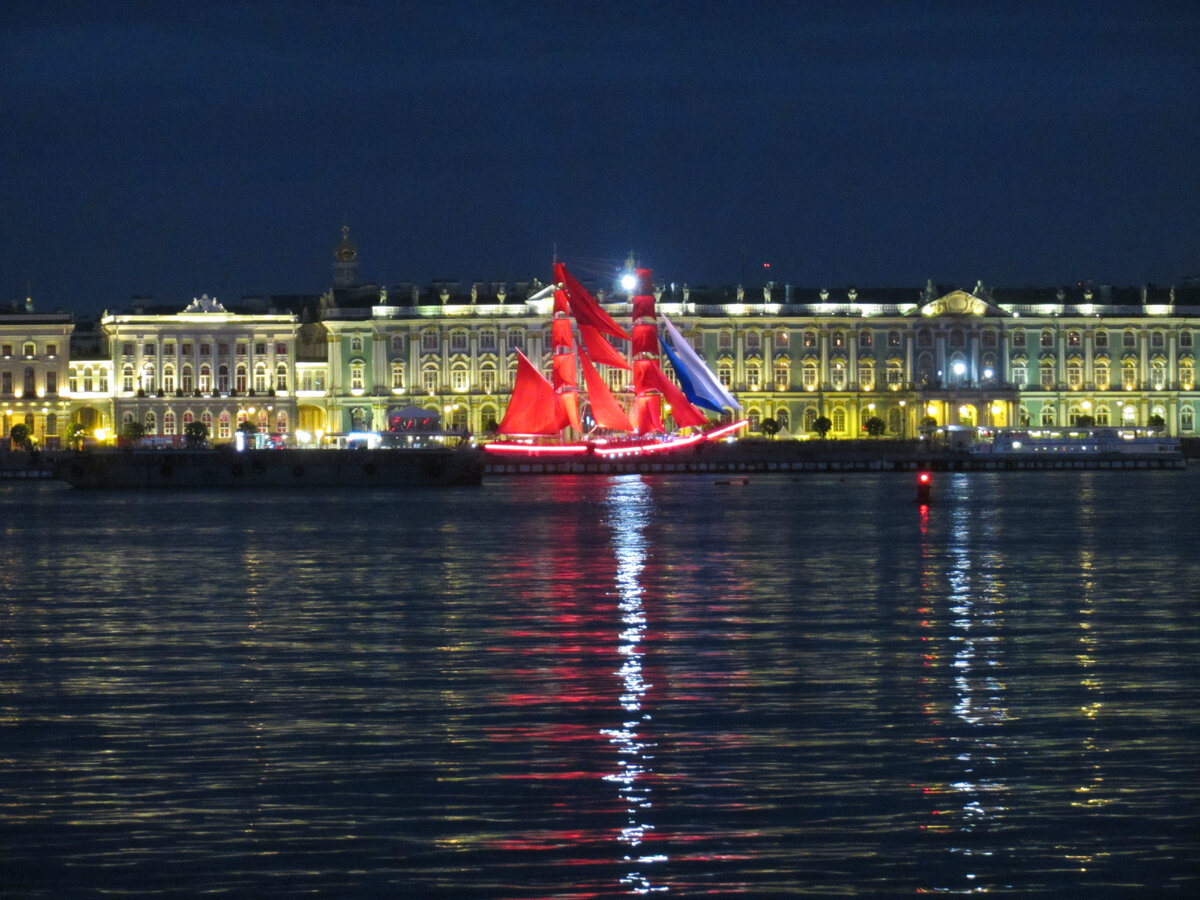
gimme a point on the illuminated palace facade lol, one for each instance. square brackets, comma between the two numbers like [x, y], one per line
[910, 358]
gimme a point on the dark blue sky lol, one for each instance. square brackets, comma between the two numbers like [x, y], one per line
[175, 148]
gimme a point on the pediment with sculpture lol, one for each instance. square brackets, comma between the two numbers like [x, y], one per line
[960, 303]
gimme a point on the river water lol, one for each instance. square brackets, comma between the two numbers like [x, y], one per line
[584, 687]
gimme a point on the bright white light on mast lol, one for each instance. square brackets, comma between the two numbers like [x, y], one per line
[629, 282]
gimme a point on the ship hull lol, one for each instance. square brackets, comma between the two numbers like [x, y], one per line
[291, 468]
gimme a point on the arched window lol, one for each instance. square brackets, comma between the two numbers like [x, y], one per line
[782, 375]
[753, 340]
[866, 376]
[783, 418]
[1047, 415]
[459, 377]
[894, 421]
[1103, 375]
[188, 417]
[839, 420]
[223, 424]
[1158, 374]
[398, 375]
[1046, 376]
[127, 377]
[281, 422]
[206, 421]
[429, 378]
[239, 378]
[1129, 375]
[223, 379]
[837, 376]
[356, 377]
[168, 422]
[1074, 375]
[808, 376]
[753, 377]
[810, 419]
[151, 422]
[261, 383]
[169, 378]
[1102, 415]
[487, 378]
[281, 377]
[865, 338]
[185, 378]
[1129, 415]
[356, 344]
[1187, 419]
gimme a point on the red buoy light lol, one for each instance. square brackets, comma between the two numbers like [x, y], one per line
[924, 483]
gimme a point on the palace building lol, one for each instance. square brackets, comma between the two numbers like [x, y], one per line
[34, 353]
[358, 356]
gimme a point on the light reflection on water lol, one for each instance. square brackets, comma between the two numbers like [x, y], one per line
[602, 687]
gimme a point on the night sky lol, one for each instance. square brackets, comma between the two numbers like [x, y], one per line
[174, 149]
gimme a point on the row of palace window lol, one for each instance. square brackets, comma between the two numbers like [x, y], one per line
[30, 421]
[28, 350]
[224, 422]
[1047, 417]
[1102, 372]
[28, 382]
[185, 349]
[203, 383]
[753, 340]
[460, 376]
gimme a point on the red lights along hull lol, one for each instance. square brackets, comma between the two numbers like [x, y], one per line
[624, 448]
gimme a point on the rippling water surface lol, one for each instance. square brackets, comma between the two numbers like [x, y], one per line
[595, 687]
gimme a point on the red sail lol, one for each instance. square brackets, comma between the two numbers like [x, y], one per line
[647, 402]
[584, 307]
[681, 408]
[600, 349]
[647, 412]
[565, 383]
[605, 409]
[533, 407]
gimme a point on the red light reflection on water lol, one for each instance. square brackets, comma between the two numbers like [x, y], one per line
[591, 657]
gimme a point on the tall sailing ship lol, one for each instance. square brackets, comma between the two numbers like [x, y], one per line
[552, 415]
